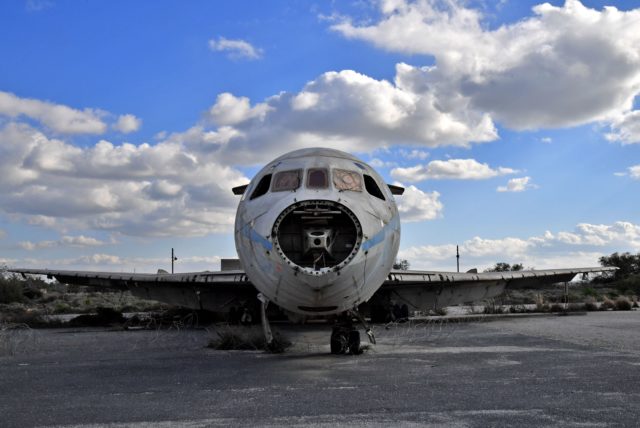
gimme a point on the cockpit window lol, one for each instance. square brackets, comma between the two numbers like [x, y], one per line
[372, 187]
[317, 178]
[347, 180]
[286, 180]
[262, 187]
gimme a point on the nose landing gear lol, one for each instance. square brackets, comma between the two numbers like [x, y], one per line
[345, 338]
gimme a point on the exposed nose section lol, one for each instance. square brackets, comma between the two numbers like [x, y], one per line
[317, 236]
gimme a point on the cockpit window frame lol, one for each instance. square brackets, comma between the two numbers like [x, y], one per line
[274, 180]
[326, 178]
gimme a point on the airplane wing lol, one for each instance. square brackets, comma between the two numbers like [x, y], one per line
[421, 290]
[218, 291]
[213, 291]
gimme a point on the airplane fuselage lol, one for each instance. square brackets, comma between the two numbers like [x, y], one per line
[317, 231]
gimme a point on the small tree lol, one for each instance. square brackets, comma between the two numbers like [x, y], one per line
[505, 267]
[401, 264]
[627, 264]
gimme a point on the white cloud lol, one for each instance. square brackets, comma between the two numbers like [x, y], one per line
[414, 154]
[579, 248]
[238, 49]
[568, 65]
[146, 190]
[632, 171]
[517, 185]
[626, 128]
[127, 123]
[65, 241]
[232, 110]
[452, 169]
[114, 263]
[347, 111]
[416, 205]
[59, 118]
[379, 163]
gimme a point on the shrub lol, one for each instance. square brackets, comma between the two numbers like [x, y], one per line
[61, 308]
[441, 311]
[11, 290]
[556, 308]
[607, 304]
[247, 339]
[590, 304]
[623, 304]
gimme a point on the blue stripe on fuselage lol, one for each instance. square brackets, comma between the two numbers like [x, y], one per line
[254, 236]
[382, 234]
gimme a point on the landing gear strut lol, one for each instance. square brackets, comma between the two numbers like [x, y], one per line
[266, 328]
[345, 338]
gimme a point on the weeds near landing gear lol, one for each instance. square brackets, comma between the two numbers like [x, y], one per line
[247, 339]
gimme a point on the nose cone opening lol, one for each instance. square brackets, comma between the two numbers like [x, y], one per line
[317, 236]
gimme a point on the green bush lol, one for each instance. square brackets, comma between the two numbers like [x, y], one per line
[11, 290]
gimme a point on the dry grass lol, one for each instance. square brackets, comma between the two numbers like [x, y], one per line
[246, 339]
[16, 338]
[623, 304]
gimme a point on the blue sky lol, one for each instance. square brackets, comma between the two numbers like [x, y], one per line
[123, 125]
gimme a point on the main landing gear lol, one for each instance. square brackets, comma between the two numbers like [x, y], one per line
[345, 338]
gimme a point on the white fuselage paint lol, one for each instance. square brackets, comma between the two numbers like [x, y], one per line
[320, 291]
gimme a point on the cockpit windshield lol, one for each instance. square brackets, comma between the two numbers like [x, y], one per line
[286, 180]
[317, 178]
[347, 180]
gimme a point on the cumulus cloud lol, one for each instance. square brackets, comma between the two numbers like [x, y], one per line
[517, 185]
[578, 248]
[452, 169]
[59, 118]
[237, 49]
[563, 66]
[349, 111]
[414, 154]
[69, 241]
[170, 188]
[416, 205]
[127, 123]
[626, 128]
[232, 110]
[109, 262]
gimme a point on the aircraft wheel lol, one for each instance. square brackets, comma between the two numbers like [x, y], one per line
[339, 342]
[354, 342]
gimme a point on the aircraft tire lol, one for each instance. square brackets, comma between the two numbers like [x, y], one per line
[354, 342]
[339, 342]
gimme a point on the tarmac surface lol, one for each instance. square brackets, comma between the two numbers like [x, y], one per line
[540, 371]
